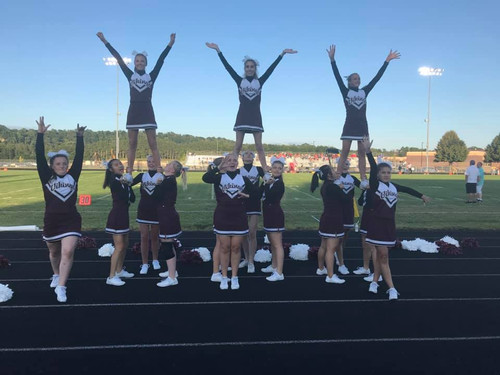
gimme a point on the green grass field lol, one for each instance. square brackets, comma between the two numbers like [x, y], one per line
[21, 202]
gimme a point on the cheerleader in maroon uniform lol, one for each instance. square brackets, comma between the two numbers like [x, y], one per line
[381, 230]
[253, 208]
[230, 219]
[147, 215]
[170, 224]
[356, 126]
[348, 182]
[331, 224]
[140, 113]
[62, 223]
[272, 191]
[118, 220]
[249, 119]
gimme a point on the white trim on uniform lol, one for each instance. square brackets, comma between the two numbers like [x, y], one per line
[140, 221]
[364, 231]
[117, 231]
[249, 128]
[350, 226]
[142, 126]
[231, 232]
[383, 243]
[352, 137]
[169, 236]
[59, 237]
[254, 213]
[331, 235]
[274, 229]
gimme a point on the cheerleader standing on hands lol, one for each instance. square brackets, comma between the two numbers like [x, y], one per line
[249, 118]
[62, 223]
[253, 208]
[230, 219]
[140, 113]
[170, 224]
[118, 220]
[147, 215]
[381, 231]
[274, 219]
[331, 224]
[356, 126]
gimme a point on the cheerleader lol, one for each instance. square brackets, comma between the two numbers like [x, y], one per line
[272, 191]
[140, 113]
[348, 182]
[170, 224]
[249, 119]
[381, 227]
[62, 223]
[147, 215]
[331, 224]
[253, 208]
[356, 126]
[118, 220]
[230, 221]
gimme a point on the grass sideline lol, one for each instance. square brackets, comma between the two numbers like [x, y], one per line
[21, 202]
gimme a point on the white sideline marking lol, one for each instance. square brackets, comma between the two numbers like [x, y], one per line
[274, 302]
[156, 278]
[249, 343]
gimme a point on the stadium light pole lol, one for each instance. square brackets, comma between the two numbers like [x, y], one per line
[429, 72]
[111, 61]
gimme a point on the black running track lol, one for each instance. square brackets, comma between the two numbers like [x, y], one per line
[446, 321]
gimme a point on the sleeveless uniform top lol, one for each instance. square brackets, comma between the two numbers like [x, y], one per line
[59, 192]
[356, 125]
[249, 118]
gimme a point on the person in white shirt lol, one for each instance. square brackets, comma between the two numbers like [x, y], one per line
[471, 180]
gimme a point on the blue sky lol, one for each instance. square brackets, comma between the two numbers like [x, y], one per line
[52, 65]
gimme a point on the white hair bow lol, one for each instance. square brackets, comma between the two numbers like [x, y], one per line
[248, 152]
[281, 160]
[60, 152]
[246, 58]
[134, 52]
[319, 172]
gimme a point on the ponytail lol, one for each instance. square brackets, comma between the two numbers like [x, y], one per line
[315, 181]
[108, 175]
[320, 174]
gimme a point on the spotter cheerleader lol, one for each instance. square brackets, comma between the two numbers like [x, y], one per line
[170, 224]
[356, 126]
[230, 219]
[62, 223]
[147, 215]
[331, 224]
[118, 220]
[140, 113]
[249, 119]
[348, 182]
[272, 191]
[381, 226]
[253, 208]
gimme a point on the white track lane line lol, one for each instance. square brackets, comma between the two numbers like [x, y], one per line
[250, 343]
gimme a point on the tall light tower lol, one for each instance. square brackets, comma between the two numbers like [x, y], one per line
[111, 61]
[429, 72]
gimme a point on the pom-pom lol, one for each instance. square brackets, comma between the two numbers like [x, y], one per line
[86, 243]
[190, 257]
[204, 253]
[469, 243]
[299, 251]
[450, 240]
[263, 256]
[158, 178]
[447, 248]
[106, 250]
[4, 262]
[313, 252]
[5, 293]
[420, 244]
